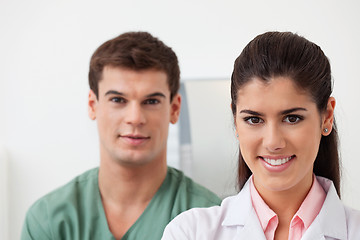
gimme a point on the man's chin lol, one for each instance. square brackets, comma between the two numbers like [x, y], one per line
[133, 161]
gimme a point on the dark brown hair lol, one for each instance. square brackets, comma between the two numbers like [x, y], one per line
[136, 51]
[275, 54]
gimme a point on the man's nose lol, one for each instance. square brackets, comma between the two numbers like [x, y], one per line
[135, 114]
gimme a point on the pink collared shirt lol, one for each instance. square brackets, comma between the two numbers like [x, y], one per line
[302, 219]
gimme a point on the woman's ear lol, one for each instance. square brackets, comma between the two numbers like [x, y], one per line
[328, 117]
[236, 133]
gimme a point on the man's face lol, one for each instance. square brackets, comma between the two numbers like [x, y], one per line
[133, 112]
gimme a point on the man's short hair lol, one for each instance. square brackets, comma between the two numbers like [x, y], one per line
[135, 51]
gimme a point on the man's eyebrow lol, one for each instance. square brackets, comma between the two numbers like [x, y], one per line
[155, 94]
[114, 92]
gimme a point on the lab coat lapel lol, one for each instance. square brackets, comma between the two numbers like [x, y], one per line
[331, 220]
[329, 224]
[240, 213]
[251, 229]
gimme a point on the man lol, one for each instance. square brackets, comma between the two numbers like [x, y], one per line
[134, 82]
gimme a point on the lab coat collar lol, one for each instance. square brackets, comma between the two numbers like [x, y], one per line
[238, 208]
[240, 213]
[330, 222]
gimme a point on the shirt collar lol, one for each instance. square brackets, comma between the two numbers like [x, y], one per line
[238, 210]
[264, 213]
[307, 212]
[312, 204]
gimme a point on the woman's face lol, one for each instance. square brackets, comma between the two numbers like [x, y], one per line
[279, 129]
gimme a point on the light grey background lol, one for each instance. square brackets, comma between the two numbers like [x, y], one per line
[210, 154]
[45, 47]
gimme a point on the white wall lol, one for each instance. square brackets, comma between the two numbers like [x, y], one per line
[45, 48]
[4, 214]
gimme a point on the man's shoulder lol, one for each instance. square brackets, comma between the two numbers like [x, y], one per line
[187, 188]
[68, 211]
[70, 191]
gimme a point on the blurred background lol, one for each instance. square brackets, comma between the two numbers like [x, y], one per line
[46, 137]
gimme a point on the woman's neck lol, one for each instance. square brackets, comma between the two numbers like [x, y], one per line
[285, 203]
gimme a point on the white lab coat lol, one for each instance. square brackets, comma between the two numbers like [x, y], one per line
[236, 219]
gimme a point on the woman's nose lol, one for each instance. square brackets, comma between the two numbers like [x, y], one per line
[273, 139]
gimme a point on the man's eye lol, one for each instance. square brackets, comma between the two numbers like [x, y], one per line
[151, 101]
[253, 120]
[292, 119]
[118, 100]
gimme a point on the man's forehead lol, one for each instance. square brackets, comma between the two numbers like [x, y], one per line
[127, 82]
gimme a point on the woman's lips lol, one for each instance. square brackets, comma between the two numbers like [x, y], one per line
[277, 161]
[277, 164]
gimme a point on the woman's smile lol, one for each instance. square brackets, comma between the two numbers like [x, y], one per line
[277, 161]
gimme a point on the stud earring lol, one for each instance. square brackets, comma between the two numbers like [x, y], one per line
[326, 130]
[237, 135]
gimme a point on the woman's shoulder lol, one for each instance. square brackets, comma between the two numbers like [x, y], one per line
[216, 214]
[352, 214]
[353, 222]
[336, 215]
[191, 223]
[200, 217]
[206, 223]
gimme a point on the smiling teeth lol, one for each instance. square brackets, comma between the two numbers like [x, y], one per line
[277, 162]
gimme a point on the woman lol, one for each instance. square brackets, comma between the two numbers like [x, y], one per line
[289, 172]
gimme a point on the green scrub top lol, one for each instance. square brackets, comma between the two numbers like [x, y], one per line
[75, 211]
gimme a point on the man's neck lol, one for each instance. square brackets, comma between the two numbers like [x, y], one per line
[130, 184]
[126, 191]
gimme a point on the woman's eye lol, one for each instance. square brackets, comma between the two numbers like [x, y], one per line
[151, 101]
[253, 120]
[292, 119]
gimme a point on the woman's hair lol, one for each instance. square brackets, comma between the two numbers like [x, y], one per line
[285, 54]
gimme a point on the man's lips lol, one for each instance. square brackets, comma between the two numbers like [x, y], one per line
[134, 139]
[134, 136]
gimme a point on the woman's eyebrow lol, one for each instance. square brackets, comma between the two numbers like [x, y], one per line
[287, 111]
[251, 112]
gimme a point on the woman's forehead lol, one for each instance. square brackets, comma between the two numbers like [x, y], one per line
[277, 90]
